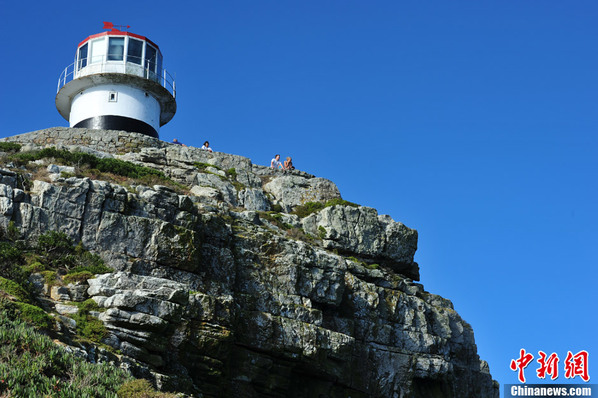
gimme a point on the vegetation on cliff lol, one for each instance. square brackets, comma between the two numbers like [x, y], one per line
[31, 364]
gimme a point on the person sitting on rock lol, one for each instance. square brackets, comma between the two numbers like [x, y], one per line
[175, 141]
[288, 164]
[275, 162]
[206, 146]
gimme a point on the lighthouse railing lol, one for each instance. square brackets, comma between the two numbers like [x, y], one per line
[85, 68]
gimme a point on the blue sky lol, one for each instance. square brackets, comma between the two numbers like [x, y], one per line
[473, 122]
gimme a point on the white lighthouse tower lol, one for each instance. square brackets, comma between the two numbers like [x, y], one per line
[117, 82]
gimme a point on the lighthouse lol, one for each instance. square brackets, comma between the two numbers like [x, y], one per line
[117, 82]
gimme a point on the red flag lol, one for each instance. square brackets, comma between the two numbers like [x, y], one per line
[108, 25]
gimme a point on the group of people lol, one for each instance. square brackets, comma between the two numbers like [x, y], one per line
[205, 147]
[276, 164]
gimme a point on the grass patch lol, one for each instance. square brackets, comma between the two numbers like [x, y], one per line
[203, 166]
[313, 207]
[232, 173]
[141, 388]
[322, 232]
[88, 305]
[363, 263]
[105, 165]
[75, 277]
[89, 327]
[15, 290]
[50, 277]
[31, 314]
[308, 208]
[108, 169]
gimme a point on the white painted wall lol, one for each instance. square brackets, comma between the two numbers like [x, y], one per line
[131, 102]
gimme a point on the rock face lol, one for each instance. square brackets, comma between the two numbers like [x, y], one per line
[215, 295]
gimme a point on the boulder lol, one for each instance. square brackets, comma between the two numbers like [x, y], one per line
[291, 190]
[361, 232]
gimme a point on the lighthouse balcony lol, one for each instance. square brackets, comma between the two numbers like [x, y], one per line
[105, 65]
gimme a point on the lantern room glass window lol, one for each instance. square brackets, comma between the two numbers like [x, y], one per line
[159, 64]
[150, 58]
[82, 57]
[135, 51]
[116, 48]
[110, 50]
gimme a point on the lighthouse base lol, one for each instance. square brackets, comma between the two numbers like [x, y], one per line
[111, 122]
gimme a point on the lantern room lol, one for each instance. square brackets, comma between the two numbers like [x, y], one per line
[117, 82]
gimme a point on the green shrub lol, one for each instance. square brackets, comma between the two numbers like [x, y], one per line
[203, 166]
[56, 249]
[35, 266]
[363, 263]
[339, 201]
[232, 172]
[312, 207]
[298, 234]
[50, 278]
[9, 147]
[31, 365]
[77, 277]
[105, 165]
[354, 259]
[34, 315]
[92, 263]
[11, 259]
[275, 219]
[308, 208]
[88, 305]
[321, 232]
[89, 327]
[277, 208]
[140, 388]
[66, 174]
[14, 289]
[11, 232]
[9, 253]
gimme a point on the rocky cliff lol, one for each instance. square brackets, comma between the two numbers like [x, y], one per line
[235, 280]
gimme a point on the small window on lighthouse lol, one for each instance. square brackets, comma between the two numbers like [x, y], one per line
[134, 51]
[116, 48]
[112, 96]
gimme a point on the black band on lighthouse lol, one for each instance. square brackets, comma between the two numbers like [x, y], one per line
[110, 122]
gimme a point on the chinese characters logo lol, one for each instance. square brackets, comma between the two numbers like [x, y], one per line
[574, 365]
